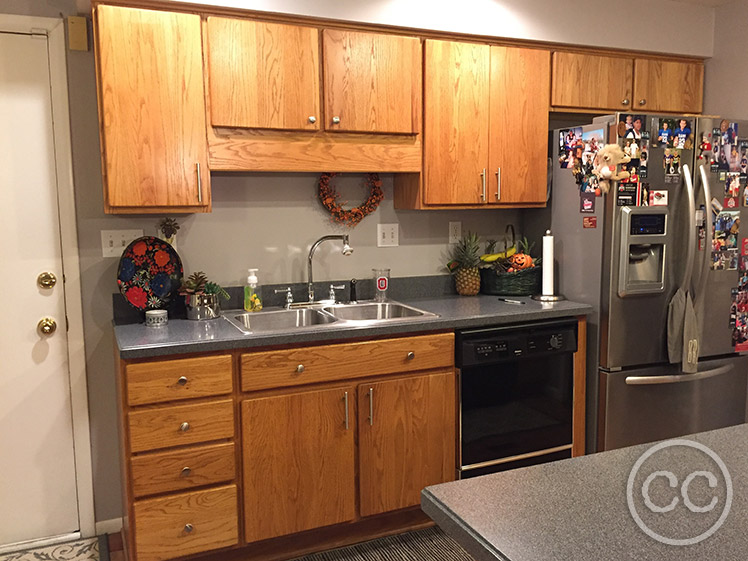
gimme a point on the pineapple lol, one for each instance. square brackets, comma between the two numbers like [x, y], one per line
[465, 261]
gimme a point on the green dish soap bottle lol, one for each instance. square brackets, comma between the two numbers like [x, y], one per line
[252, 302]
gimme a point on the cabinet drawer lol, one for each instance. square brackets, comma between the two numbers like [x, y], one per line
[164, 427]
[306, 365]
[181, 469]
[185, 524]
[167, 380]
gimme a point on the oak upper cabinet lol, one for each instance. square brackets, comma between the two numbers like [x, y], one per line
[372, 82]
[661, 85]
[298, 456]
[626, 83]
[592, 81]
[263, 75]
[517, 148]
[456, 90]
[152, 111]
[406, 439]
[486, 123]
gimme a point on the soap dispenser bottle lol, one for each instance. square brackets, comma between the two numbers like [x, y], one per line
[252, 301]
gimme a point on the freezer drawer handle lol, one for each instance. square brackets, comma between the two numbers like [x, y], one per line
[677, 378]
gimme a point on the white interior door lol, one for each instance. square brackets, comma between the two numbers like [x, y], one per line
[37, 465]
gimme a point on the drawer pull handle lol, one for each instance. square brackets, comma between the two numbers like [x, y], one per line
[300, 368]
[347, 421]
[184, 427]
[182, 380]
[186, 471]
[371, 407]
[411, 355]
[188, 528]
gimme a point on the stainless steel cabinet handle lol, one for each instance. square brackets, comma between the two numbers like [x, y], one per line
[184, 427]
[411, 355]
[336, 120]
[186, 471]
[300, 368]
[182, 380]
[345, 398]
[642, 102]
[677, 378]
[312, 119]
[483, 183]
[625, 101]
[498, 183]
[199, 183]
[188, 528]
[371, 406]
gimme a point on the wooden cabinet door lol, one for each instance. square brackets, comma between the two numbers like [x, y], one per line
[662, 85]
[152, 109]
[518, 151]
[263, 75]
[406, 439]
[455, 122]
[372, 82]
[591, 81]
[298, 458]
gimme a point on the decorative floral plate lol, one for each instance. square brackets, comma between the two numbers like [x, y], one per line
[149, 274]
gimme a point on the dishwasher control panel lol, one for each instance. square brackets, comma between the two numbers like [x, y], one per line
[499, 344]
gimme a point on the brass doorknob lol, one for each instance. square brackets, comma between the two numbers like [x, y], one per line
[47, 326]
[46, 280]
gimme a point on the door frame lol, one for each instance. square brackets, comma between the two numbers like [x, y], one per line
[54, 29]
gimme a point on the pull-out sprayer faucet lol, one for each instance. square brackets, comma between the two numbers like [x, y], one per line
[347, 250]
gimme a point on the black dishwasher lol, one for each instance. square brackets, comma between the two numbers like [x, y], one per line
[516, 395]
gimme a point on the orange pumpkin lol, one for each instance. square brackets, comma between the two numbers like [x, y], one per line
[521, 261]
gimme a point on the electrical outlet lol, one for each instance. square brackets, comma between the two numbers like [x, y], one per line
[388, 235]
[455, 232]
[114, 242]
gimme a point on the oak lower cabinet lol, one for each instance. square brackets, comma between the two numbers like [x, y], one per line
[298, 456]
[596, 82]
[485, 125]
[151, 110]
[406, 429]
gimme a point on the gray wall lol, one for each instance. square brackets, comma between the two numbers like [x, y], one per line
[726, 81]
[269, 220]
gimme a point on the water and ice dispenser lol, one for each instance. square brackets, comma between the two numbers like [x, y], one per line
[643, 248]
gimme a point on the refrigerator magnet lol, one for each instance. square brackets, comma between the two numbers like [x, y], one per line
[743, 284]
[731, 203]
[745, 196]
[744, 247]
[589, 222]
[657, 198]
[732, 184]
[587, 203]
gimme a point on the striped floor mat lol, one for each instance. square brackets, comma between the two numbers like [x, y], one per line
[421, 545]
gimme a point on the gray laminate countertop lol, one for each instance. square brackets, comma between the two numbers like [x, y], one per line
[454, 312]
[578, 509]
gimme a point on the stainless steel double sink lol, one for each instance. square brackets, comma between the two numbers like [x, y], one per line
[352, 315]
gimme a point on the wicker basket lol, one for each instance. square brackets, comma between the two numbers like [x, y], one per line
[518, 283]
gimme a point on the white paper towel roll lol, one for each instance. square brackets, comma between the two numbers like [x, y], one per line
[548, 264]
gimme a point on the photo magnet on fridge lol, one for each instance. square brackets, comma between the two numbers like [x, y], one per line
[587, 203]
[733, 306]
[633, 125]
[682, 136]
[731, 203]
[726, 230]
[745, 196]
[665, 133]
[657, 198]
[705, 147]
[744, 272]
[732, 184]
[643, 159]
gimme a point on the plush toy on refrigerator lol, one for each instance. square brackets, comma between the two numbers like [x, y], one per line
[607, 160]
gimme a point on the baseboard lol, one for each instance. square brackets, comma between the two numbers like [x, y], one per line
[111, 526]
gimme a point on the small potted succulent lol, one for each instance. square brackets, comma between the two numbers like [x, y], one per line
[202, 296]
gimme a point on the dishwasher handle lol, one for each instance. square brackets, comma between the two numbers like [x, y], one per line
[677, 378]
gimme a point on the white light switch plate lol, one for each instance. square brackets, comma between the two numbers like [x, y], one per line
[114, 242]
[388, 235]
[455, 232]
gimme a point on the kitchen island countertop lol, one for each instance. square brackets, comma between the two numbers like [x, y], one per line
[454, 312]
[577, 509]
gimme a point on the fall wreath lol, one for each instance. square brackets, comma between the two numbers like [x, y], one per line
[328, 196]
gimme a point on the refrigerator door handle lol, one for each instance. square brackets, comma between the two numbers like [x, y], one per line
[692, 233]
[677, 378]
[706, 261]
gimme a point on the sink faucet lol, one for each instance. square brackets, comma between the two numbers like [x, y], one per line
[347, 250]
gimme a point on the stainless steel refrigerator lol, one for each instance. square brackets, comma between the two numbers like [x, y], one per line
[629, 252]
